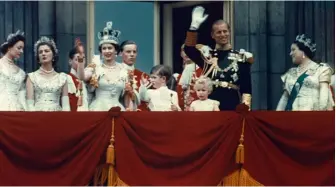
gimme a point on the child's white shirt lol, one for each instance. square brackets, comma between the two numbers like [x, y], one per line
[159, 99]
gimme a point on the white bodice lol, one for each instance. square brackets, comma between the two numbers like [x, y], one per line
[205, 105]
[109, 92]
[48, 91]
[308, 98]
[12, 95]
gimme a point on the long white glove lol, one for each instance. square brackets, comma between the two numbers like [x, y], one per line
[198, 17]
[30, 105]
[65, 103]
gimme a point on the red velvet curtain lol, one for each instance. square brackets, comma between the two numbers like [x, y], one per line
[176, 148]
[51, 148]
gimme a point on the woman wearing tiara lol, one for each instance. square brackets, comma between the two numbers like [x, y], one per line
[306, 87]
[108, 80]
[12, 95]
[47, 89]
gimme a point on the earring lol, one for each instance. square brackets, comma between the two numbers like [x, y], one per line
[303, 56]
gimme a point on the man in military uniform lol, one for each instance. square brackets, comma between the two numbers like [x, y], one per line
[228, 69]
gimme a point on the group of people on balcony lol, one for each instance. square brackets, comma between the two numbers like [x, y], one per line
[213, 79]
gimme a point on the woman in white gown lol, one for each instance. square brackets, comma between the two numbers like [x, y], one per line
[108, 80]
[12, 94]
[47, 89]
[306, 87]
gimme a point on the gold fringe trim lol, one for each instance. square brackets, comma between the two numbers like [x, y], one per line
[103, 175]
[239, 178]
[191, 39]
[240, 153]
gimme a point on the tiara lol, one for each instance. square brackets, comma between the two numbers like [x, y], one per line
[47, 40]
[306, 42]
[108, 35]
[12, 35]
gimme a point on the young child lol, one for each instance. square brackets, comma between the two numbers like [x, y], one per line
[161, 98]
[203, 87]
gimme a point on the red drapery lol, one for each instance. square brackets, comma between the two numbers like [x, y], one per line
[176, 148]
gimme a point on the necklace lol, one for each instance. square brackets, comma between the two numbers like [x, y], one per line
[8, 60]
[46, 71]
[303, 68]
[110, 67]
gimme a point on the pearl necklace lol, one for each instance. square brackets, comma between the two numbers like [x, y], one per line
[8, 60]
[304, 67]
[110, 67]
[46, 71]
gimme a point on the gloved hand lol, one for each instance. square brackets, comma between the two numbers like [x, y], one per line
[198, 17]
[245, 53]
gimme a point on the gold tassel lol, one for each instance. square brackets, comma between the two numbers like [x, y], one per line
[100, 175]
[240, 158]
[240, 151]
[112, 176]
[110, 155]
[239, 177]
[110, 160]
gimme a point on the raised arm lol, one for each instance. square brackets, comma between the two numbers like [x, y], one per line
[192, 52]
[85, 74]
[143, 90]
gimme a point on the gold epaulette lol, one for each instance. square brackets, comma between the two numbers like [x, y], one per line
[191, 39]
[199, 46]
[204, 49]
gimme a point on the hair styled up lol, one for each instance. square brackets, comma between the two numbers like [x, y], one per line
[51, 44]
[306, 45]
[12, 39]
